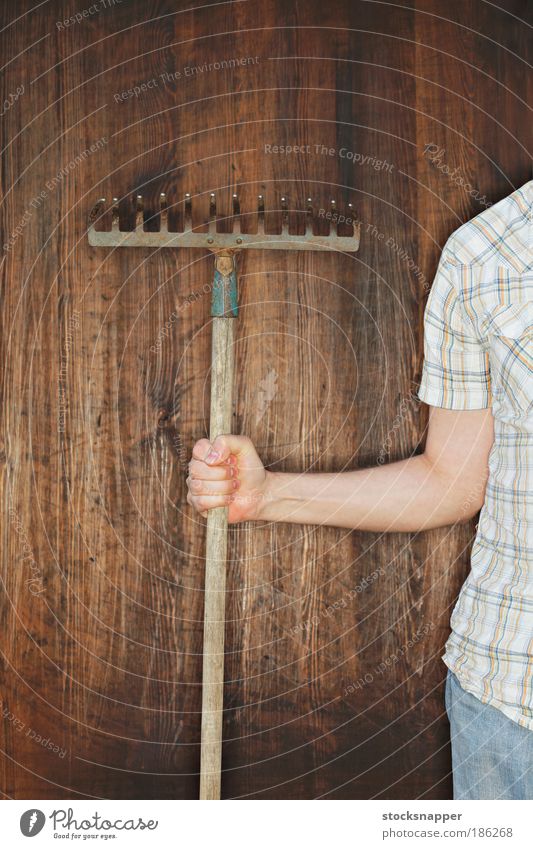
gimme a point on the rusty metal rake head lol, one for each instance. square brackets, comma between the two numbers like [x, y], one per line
[236, 240]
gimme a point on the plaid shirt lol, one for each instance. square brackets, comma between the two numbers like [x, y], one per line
[478, 347]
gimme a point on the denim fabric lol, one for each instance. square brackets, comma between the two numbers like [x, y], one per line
[492, 756]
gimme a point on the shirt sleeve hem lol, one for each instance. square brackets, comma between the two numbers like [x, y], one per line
[454, 400]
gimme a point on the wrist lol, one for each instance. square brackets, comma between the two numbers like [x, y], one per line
[268, 498]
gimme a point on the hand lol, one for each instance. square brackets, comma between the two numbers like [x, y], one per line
[227, 472]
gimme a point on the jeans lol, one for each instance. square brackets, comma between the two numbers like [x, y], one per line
[492, 756]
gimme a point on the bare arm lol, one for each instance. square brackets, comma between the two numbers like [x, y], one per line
[445, 484]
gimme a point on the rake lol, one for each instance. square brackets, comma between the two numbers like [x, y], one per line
[224, 309]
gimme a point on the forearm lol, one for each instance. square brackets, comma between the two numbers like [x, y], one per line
[444, 485]
[410, 495]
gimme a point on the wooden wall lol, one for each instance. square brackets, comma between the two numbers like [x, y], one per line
[334, 684]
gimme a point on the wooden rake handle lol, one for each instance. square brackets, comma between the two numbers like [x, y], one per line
[224, 312]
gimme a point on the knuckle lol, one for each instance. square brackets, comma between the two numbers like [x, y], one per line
[246, 443]
[220, 448]
[194, 468]
[200, 448]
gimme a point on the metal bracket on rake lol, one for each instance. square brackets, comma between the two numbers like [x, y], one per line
[236, 240]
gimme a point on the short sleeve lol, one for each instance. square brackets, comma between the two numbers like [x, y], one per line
[456, 372]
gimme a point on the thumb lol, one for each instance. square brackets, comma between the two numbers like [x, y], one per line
[227, 444]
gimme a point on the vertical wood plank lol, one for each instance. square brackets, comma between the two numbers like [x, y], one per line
[333, 640]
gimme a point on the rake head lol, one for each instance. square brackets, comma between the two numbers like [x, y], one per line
[213, 240]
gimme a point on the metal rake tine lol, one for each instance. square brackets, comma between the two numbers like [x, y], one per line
[351, 222]
[260, 215]
[115, 223]
[96, 212]
[187, 214]
[309, 230]
[284, 217]
[334, 218]
[139, 213]
[163, 220]
[212, 224]
[236, 215]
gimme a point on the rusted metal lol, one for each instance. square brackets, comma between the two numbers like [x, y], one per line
[214, 241]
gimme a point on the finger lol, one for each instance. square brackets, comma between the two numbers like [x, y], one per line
[201, 449]
[204, 503]
[191, 501]
[206, 451]
[203, 487]
[226, 445]
[200, 470]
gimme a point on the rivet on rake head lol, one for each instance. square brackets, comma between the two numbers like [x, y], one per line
[210, 241]
[239, 241]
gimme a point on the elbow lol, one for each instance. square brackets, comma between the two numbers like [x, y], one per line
[467, 515]
[457, 453]
[461, 495]
[472, 503]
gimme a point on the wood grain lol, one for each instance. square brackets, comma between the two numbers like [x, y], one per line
[222, 369]
[333, 641]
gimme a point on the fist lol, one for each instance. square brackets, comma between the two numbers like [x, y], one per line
[227, 473]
